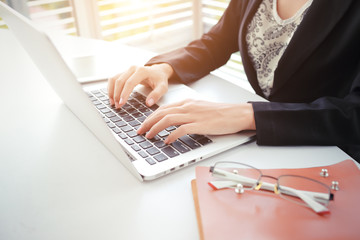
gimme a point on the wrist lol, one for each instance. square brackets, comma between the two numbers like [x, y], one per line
[165, 68]
[250, 116]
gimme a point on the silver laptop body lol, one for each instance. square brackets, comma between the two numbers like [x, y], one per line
[47, 58]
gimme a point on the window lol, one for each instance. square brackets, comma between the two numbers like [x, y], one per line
[147, 23]
[54, 15]
[155, 25]
[233, 71]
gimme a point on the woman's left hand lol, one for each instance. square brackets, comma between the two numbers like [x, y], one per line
[199, 117]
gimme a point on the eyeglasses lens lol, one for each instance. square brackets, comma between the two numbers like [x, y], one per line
[312, 188]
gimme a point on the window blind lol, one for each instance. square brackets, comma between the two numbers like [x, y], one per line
[147, 22]
[53, 15]
[233, 70]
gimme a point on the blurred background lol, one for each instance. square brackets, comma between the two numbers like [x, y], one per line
[154, 25]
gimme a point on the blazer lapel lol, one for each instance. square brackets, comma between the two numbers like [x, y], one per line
[248, 66]
[316, 25]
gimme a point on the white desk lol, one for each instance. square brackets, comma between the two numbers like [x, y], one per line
[57, 181]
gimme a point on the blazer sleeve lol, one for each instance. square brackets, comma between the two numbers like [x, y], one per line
[209, 52]
[325, 121]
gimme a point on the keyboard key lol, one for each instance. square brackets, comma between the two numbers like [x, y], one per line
[204, 140]
[139, 139]
[110, 115]
[145, 145]
[116, 130]
[126, 128]
[136, 114]
[147, 113]
[122, 135]
[171, 128]
[126, 106]
[128, 118]
[115, 119]
[181, 147]
[129, 141]
[155, 139]
[143, 154]
[154, 107]
[100, 106]
[141, 119]
[196, 136]
[152, 151]
[163, 133]
[160, 144]
[160, 157]
[170, 152]
[131, 110]
[150, 161]
[132, 101]
[120, 124]
[190, 142]
[132, 134]
[122, 113]
[105, 110]
[144, 109]
[134, 123]
[136, 147]
[99, 94]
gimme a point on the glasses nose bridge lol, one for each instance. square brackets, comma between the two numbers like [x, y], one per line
[260, 183]
[269, 176]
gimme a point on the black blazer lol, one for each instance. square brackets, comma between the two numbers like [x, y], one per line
[315, 98]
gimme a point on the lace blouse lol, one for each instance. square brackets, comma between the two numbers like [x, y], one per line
[267, 38]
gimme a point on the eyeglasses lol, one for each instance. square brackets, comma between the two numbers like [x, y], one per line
[298, 189]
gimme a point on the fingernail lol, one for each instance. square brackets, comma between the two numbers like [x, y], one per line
[111, 101]
[121, 101]
[150, 102]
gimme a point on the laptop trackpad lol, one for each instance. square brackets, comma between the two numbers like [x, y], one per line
[176, 93]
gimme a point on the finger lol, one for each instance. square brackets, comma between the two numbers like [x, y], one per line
[119, 84]
[155, 117]
[111, 86]
[190, 128]
[156, 94]
[137, 77]
[167, 121]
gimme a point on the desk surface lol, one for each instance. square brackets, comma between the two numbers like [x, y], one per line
[57, 181]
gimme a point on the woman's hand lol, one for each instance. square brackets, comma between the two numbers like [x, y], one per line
[156, 77]
[199, 117]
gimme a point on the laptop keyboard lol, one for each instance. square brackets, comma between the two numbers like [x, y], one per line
[125, 121]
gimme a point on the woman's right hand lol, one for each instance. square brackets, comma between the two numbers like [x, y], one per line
[155, 76]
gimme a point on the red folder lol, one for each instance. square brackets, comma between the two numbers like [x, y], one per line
[223, 214]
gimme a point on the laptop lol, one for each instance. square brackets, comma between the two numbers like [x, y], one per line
[146, 159]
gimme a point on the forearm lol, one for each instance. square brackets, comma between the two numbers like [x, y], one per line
[326, 121]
